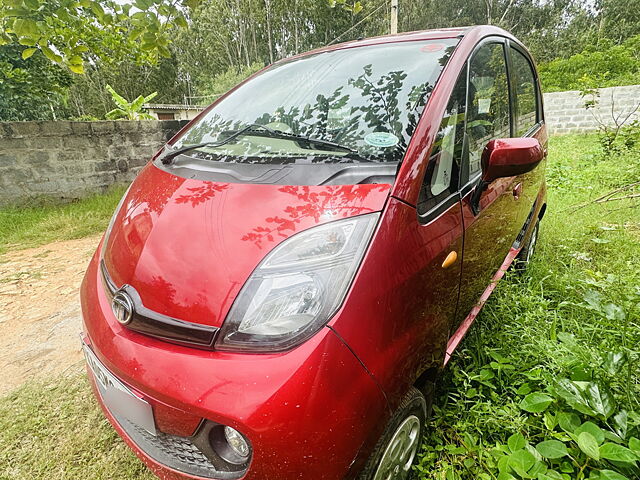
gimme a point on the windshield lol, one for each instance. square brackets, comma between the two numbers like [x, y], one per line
[350, 105]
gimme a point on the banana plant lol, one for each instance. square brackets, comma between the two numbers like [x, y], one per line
[129, 110]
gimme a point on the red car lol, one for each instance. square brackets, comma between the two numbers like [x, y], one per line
[282, 283]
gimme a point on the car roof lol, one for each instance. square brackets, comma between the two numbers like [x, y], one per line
[434, 34]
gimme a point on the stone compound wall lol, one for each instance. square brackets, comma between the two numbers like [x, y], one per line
[67, 160]
[565, 111]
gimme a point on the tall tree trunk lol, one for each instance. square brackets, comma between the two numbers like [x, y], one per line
[489, 5]
[267, 6]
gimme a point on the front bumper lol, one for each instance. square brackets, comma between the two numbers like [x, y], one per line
[312, 413]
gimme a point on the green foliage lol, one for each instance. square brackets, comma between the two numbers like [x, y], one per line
[353, 7]
[65, 30]
[606, 64]
[126, 110]
[189, 50]
[56, 430]
[31, 88]
[219, 84]
[547, 384]
[617, 134]
[616, 140]
[225, 37]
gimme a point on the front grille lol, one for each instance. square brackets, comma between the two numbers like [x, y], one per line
[161, 326]
[194, 455]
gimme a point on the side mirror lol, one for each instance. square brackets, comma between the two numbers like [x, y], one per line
[506, 157]
[510, 156]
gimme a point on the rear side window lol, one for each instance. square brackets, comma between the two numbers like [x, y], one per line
[441, 178]
[488, 115]
[525, 89]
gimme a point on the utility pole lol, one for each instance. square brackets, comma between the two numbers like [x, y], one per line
[394, 17]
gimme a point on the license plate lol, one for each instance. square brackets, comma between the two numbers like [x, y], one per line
[117, 397]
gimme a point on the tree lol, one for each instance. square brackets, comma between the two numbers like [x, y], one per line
[130, 77]
[31, 89]
[546, 27]
[227, 37]
[66, 30]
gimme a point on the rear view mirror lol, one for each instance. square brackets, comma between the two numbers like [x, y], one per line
[510, 156]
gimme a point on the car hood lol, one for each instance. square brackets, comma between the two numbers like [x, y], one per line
[188, 246]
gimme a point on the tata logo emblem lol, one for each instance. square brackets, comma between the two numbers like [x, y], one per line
[122, 306]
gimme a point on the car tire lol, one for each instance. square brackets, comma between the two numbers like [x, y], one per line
[528, 250]
[395, 452]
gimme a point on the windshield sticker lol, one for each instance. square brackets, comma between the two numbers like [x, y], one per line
[381, 139]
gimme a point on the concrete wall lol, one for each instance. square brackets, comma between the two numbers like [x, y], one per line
[66, 160]
[565, 112]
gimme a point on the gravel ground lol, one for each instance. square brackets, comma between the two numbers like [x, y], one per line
[40, 310]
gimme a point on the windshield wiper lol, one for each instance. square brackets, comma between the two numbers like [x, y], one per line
[170, 155]
[255, 127]
[352, 153]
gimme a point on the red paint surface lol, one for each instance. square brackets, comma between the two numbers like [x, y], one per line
[316, 411]
[187, 246]
[510, 156]
[309, 413]
[397, 315]
[464, 327]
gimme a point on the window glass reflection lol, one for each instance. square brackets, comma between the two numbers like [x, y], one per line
[366, 99]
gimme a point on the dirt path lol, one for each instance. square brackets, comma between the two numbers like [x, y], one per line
[40, 310]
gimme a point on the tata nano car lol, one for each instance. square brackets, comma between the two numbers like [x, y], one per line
[282, 283]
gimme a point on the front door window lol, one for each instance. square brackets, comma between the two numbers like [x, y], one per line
[488, 114]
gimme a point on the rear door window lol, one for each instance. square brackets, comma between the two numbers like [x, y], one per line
[525, 88]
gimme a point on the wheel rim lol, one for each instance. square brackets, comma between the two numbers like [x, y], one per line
[398, 456]
[532, 243]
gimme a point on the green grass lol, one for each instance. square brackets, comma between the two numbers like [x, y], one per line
[22, 227]
[579, 300]
[55, 430]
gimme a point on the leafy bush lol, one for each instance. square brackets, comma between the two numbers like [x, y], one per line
[523, 421]
[602, 65]
[618, 133]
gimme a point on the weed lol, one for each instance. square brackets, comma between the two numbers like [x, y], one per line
[546, 386]
[55, 430]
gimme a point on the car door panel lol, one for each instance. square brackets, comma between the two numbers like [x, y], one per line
[488, 238]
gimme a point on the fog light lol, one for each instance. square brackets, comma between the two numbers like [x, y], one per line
[237, 442]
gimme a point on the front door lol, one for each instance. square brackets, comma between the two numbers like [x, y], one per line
[491, 230]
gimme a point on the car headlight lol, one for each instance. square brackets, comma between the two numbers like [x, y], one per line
[297, 287]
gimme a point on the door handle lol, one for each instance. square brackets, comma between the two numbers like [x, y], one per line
[517, 190]
[450, 260]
